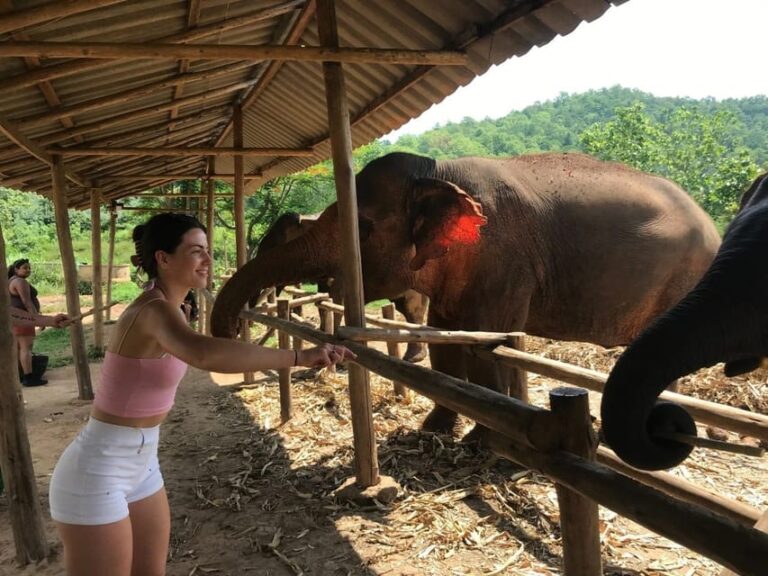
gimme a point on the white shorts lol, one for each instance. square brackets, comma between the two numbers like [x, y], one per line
[102, 471]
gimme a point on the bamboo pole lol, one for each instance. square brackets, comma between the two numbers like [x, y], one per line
[177, 151]
[579, 521]
[111, 257]
[366, 460]
[88, 313]
[16, 468]
[161, 51]
[98, 303]
[749, 423]
[725, 541]
[393, 348]
[284, 374]
[76, 335]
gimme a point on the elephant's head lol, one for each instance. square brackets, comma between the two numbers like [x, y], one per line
[408, 220]
[723, 319]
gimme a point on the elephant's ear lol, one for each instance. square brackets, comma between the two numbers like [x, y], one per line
[442, 215]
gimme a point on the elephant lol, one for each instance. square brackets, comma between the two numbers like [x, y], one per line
[411, 304]
[559, 245]
[719, 320]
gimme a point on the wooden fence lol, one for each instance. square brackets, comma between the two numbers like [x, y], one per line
[559, 442]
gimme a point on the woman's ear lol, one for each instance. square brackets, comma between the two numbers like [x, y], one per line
[442, 216]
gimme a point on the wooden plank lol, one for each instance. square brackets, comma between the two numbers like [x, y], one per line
[51, 11]
[176, 151]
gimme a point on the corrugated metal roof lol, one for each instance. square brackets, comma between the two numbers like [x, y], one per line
[182, 103]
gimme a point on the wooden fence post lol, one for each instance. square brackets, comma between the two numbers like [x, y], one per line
[98, 303]
[518, 387]
[284, 341]
[111, 257]
[393, 348]
[578, 514]
[298, 343]
[327, 326]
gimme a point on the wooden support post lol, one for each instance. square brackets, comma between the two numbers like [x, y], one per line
[578, 514]
[327, 326]
[388, 312]
[298, 343]
[284, 342]
[98, 302]
[111, 257]
[210, 204]
[762, 525]
[366, 460]
[518, 386]
[24, 511]
[76, 335]
[240, 244]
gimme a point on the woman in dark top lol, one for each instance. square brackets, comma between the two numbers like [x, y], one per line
[24, 297]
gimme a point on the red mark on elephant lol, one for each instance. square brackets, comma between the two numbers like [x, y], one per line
[463, 228]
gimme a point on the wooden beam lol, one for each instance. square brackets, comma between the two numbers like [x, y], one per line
[190, 176]
[46, 12]
[111, 257]
[98, 302]
[215, 28]
[191, 151]
[108, 50]
[76, 334]
[16, 467]
[210, 224]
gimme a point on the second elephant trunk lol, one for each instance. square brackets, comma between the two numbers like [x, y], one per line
[722, 320]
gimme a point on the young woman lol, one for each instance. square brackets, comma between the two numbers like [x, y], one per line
[24, 299]
[106, 495]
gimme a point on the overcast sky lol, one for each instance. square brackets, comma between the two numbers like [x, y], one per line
[695, 48]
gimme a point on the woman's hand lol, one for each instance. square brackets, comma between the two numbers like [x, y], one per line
[325, 355]
[60, 320]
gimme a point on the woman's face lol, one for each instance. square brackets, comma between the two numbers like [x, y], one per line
[190, 264]
[23, 271]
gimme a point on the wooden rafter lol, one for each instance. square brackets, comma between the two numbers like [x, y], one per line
[270, 70]
[53, 10]
[126, 95]
[107, 50]
[219, 27]
[193, 19]
[188, 176]
[176, 151]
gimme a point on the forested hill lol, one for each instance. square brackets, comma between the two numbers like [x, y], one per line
[558, 124]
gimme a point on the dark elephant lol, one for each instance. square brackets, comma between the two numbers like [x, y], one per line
[410, 304]
[559, 245]
[720, 320]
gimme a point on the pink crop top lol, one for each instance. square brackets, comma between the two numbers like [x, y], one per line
[138, 387]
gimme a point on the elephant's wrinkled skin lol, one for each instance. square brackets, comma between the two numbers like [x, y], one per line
[410, 304]
[723, 319]
[559, 245]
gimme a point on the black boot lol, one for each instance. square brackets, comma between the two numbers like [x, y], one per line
[33, 380]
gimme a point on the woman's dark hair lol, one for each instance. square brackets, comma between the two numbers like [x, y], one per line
[16, 264]
[161, 232]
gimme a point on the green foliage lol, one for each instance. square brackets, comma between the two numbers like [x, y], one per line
[694, 147]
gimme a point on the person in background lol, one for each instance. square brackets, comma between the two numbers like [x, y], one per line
[107, 495]
[24, 299]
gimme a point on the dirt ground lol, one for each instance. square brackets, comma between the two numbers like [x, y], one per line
[249, 496]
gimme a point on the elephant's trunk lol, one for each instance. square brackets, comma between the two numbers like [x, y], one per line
[309, 257]
[722, 320]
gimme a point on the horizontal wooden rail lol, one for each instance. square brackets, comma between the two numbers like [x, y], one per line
[683, 489]
[726, 541]
[429, 335]
[524, 423]
[375, 320]
[749, 423]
